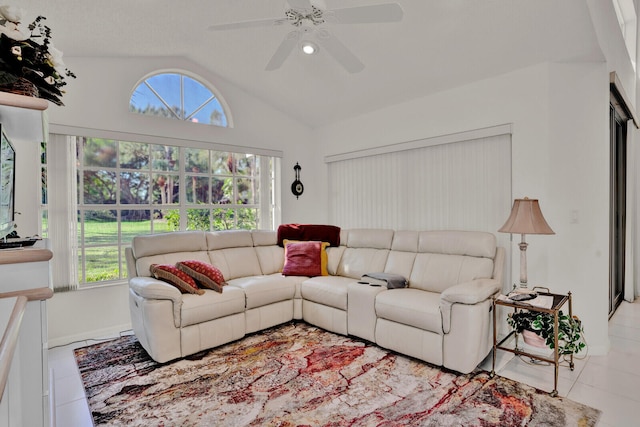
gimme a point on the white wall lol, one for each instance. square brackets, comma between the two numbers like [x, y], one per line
[99, 99]
[88, 313]
[560, 155]
[108, 82]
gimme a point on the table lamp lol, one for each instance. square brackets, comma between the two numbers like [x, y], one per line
[526, 218]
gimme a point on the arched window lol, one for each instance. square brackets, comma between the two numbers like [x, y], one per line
[177, 96]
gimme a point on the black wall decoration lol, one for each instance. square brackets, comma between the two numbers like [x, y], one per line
[296, 187]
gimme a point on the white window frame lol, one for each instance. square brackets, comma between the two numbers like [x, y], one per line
[267, 206]
[186, 74]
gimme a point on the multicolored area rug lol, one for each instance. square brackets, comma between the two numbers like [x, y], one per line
[299, 375]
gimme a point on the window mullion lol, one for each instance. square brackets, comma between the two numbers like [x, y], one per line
[182, 189]
[183, 113]
[264, 193]
[204, 104]
[161, 99]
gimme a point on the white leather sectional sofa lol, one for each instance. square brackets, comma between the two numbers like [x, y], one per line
[443, 317]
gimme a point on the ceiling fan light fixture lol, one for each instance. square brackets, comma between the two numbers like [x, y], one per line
[309, 48]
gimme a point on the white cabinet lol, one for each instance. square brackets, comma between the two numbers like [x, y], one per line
[27, 272]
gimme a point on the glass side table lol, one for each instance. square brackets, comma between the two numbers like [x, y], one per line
[559, 300]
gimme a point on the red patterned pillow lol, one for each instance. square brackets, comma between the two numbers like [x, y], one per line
[177, 278]
[305, 258]
[205, 274]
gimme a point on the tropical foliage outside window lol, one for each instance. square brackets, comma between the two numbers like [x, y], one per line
[177, 96]
[130, 188]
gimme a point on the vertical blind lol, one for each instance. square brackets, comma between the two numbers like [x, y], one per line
[455, 185]
[62, 211]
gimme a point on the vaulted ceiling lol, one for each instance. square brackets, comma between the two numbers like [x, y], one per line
[439, 44]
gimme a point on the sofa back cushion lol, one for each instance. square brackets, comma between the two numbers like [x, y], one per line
[369, 238]
[471, 243]
[401, 263]
[334, 256]
[180, 241]
[167, 248]
[403, 253]
[437, 272]
[232, 252]
[270, 255]
[447, 258]
[270, 258]
[229, 239]
[236, 262]
[366, 252]
[356, 262]
[264, 237]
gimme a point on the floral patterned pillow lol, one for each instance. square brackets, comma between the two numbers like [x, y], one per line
[205, 274]
[177, 278]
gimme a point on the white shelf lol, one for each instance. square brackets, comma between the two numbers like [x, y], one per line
[22, 101]
[23, 117]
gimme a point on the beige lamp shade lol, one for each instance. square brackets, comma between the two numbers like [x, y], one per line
[526, 218]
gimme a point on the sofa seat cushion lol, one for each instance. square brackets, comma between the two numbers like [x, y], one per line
[211, 305]
[412, 307]
[327, 290]
[265, 290]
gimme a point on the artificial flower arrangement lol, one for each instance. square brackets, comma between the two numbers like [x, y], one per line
[29, 63]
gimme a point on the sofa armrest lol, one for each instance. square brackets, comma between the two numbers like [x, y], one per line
[148, 287]
[468, 293]
[471, 292]
[151, 288]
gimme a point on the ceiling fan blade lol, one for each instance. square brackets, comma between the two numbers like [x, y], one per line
[300, 4]
[379, 13]
[246, 24]
[283, 51]
[339, 52]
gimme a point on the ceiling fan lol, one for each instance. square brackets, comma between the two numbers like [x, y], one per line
[308, 19]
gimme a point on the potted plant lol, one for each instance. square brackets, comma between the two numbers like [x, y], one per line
[570, 331]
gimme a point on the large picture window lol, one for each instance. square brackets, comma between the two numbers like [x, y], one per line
[127, 188]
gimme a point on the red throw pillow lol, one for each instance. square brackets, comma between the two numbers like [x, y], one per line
[205, 274]
[305, 259]
[177, 278]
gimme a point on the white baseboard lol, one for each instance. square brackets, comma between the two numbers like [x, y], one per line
[98, 334]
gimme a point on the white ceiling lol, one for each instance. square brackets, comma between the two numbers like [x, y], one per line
[438, 45]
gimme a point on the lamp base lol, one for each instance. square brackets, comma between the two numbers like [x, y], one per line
[522, 289]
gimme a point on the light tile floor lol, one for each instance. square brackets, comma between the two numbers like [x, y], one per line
[610, 383]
